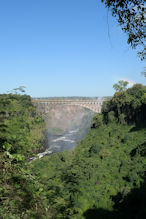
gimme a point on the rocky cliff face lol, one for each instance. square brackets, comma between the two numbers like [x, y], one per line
[65, 126]
[62, 118]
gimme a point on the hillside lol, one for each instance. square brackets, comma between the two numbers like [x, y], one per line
[21, 136]
[104, 177]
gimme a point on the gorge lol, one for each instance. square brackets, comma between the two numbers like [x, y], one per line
[67, 120]
[84, 177]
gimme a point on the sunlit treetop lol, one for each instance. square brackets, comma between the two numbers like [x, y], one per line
[120, 86]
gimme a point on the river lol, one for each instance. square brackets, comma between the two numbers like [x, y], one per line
[57, 143]
[74, 123]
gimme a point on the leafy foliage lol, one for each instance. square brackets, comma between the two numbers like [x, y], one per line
[99, 176]
[104, 177]
[131, 16]
[120, 86]
[21, 135]
[128, 106]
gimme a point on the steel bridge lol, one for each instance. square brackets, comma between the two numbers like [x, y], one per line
[43, 105]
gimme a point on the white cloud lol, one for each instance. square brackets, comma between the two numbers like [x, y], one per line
[131, 82]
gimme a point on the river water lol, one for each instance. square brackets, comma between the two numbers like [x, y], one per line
[73, 132]
[57, 143]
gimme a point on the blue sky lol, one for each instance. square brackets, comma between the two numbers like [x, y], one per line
[63, 48]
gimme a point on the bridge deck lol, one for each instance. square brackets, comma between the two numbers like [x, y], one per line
[92, 104]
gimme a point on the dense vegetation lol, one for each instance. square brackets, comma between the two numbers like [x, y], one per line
[104, 177]
[21, 135]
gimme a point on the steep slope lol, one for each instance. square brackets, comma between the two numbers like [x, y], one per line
[104, 177]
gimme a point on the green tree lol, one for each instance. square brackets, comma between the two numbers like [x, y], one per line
[20, 89]
[97, 120]
[21, 135]
[120, 86]
[131, 17]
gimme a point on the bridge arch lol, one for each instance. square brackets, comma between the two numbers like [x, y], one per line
[43, 105]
